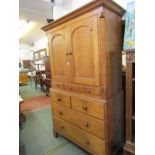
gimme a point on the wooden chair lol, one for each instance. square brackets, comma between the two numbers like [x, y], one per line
[39, 80]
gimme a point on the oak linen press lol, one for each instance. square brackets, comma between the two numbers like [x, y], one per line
[86, 95]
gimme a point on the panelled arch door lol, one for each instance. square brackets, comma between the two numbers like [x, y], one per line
[58, 54]
[84, 48]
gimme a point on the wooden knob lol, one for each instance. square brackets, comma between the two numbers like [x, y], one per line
[86, 125]
[70, 53]
[60, 113]
[62, 127]
[84, 107]
[87, 142]
[89, 91]
[59, 99]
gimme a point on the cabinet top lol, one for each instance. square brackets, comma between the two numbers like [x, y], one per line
[109, 4]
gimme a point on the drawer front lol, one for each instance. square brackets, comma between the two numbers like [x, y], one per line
[57, 85]
[92, 143]
[90, 90]
[89, 107]
[71, 87]
[88, 123]
[61, 99]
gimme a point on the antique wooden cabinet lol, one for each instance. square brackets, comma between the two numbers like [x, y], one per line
[86, 95]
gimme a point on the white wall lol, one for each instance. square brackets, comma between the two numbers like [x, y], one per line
[25, 55]
[25, 52]
[70, 5]
[40, 44]
[67, 6]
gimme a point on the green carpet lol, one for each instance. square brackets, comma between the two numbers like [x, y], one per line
[29, 90]
[36, 137]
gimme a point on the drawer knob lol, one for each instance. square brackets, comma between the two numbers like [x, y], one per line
[70, 53]
[60, 113]
[86, 125]
[59, 99]
[87, 142]
[88, 91]
[61, 127]
[84, 107]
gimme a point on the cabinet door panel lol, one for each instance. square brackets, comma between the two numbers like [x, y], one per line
[58, 54]
[84, 44]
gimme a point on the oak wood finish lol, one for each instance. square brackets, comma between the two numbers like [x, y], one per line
[59, 72]
[92, 143]
[89, 107]
[85, 71]
[61, 99]
[85, 122]
[87, 98]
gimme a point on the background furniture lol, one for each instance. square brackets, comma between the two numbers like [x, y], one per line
[26, 63]
[43, 77]
[47, 80]
[129, 45]
[129, 146]
[86, 94]
[40, 54]
[21, 115]
[39, 79]
[23, 77]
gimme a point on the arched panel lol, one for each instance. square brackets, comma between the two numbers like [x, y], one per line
[82, 51]
[58, 49]
[84, 42]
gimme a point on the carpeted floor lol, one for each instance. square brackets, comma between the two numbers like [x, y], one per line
[35, 103]
[36, 135]
[29, 90]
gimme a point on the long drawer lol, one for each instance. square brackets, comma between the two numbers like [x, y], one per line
[92, 143]
[76, 88]
[89, 107]
[90, 90]
[88, 123]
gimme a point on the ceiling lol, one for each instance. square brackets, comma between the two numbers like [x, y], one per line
[36, 11]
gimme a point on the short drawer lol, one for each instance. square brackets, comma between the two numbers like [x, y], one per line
[90, 90]
[57, 85]
[60, 99]
[92, 143]
[89, 107]
[71, 87]
[88, 123]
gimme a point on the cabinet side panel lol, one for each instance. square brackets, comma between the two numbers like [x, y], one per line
[115, 123]
[113, 24]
